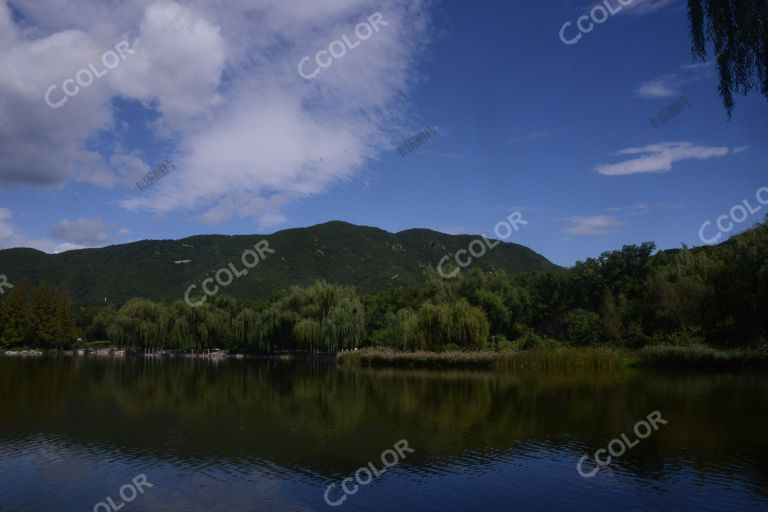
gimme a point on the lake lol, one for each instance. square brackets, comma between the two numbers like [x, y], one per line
[87, 434]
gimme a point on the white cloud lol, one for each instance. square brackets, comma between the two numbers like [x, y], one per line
[251, 134]
[633, 209]
[671, 84]
[179, 58]
[660, 157]
[68, 246]
[11, 237]
[595, 225]
[83, 232]
[642, 7]
[664, 87]
[80, 234]
[641, 208]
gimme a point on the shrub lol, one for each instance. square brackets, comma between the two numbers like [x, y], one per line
[583, 327]
[500, 343]
[635, 337]
[532, 342]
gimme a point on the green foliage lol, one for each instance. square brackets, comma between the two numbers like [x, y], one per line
[629, 298]
[322, 317]
[701, 356]
[556, 358]
[457, 323]
[367, 258]
[738, 30]
[43, 320]
[583, 327]
[500, 343]
[532, 342]
[16, 317]
[393, 332]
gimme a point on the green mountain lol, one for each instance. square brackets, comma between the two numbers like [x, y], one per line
[368, 258]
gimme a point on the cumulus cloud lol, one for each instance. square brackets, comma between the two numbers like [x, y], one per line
[68, 235]
[660, 157]
[10, 236]
[594, 225]
[250, 134]
[83, 232]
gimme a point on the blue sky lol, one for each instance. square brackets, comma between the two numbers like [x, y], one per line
[524, 123]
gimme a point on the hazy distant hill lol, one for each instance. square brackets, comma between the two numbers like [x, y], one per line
[369, 258]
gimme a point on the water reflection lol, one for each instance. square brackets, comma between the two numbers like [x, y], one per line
[218, 435]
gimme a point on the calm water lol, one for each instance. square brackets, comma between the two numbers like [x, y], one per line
[255, 435]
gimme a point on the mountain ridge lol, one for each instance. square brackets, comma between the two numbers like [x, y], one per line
[367, 257]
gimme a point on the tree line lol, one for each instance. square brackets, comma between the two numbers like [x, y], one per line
[42, 317]
[631, 297]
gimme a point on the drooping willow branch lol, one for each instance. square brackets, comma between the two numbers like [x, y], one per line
[738, 32]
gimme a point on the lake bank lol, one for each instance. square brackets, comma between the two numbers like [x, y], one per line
[595, 358]
[554, 358]
[107, 351]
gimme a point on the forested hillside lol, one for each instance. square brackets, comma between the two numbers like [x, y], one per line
[631, 297]
[369, 259]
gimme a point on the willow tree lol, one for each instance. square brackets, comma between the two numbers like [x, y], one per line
[738, 32]
[344, 325]
[308, 334]
[437, 326]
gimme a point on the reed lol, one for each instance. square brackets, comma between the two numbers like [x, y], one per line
[701, 356]
[557, 358]
[561, 358]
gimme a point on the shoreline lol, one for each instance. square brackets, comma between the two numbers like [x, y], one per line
[121, 353]
[559, 358]
[562, 358]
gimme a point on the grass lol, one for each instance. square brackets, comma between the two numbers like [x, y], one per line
[556, 358]
[701, 356]
[560, 358]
